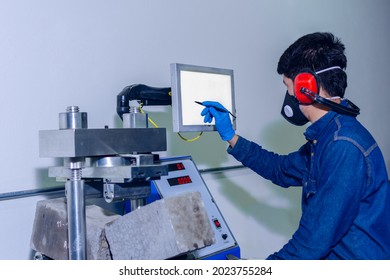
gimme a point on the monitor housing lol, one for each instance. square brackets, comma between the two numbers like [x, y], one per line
[192, 83]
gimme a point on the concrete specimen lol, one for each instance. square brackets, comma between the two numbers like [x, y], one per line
[164, 229]
[160, 230]
[50, 230]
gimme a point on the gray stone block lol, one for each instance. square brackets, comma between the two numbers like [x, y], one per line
[164, 229]
[97, 246]
[49, 234]
[50, 230]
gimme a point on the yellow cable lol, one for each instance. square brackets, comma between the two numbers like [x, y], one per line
[156, 126]
[190, 140]
[149, 119]
[153, 123]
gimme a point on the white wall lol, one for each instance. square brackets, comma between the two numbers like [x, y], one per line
[59, 53]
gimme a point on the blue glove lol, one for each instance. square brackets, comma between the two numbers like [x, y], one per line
[222, 119]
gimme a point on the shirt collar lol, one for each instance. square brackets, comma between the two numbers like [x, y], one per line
[315, 130]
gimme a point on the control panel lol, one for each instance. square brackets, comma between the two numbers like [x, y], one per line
[183, 176]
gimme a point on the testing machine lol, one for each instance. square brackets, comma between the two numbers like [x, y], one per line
[121, 164]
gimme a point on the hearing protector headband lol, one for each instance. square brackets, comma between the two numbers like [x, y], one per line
[307, 87]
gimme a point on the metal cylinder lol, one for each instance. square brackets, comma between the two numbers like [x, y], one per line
[76, 216]
[73, 119]
[135, 119]
[137, 203]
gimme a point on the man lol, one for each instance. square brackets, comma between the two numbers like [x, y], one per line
[345, 187]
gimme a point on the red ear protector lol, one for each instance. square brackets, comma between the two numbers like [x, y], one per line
[307, 87]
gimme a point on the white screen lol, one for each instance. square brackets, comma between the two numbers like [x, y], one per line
[199, 86]
[192, 83]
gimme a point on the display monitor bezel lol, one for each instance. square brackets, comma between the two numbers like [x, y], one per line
[222, 78]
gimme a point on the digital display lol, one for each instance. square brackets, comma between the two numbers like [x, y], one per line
[191, 83]
[197, 86]
[179, 181]
[176, 166]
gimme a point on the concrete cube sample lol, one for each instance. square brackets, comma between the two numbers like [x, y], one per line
[50, 230]
[163, 229]
[160, 230]
[96, 219]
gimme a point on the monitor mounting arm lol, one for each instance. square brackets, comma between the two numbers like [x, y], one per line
[148, 96]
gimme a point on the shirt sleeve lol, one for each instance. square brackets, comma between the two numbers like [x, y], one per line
[283, 170]
[330, 208]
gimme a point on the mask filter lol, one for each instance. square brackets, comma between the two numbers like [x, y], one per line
[291, 111]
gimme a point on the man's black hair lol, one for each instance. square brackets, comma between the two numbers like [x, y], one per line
[317, 51]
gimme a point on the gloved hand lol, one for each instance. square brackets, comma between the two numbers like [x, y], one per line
[222, 120]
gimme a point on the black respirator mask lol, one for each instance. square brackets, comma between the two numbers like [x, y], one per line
[291, 111]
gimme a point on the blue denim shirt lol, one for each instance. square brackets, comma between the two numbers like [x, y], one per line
[345, 190]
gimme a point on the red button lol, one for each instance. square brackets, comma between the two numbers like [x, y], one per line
[217, 223]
